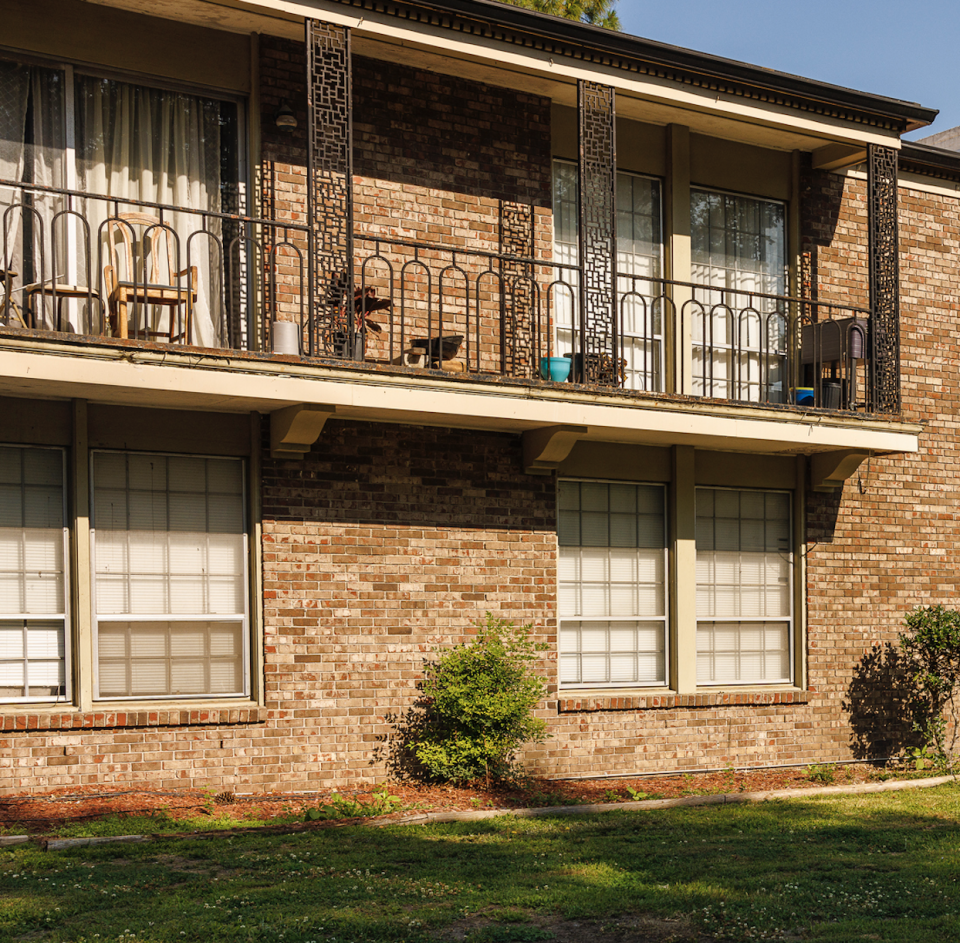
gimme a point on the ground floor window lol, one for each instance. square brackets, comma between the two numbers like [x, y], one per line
[33, 599]
[612, 583]
[169, 552]
[744, 586]
[614, 611]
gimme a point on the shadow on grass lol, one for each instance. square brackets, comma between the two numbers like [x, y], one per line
[866, 867]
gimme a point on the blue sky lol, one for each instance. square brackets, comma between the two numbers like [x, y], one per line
[909, 51]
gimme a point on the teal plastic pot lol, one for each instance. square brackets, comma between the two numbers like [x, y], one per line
[555, 368]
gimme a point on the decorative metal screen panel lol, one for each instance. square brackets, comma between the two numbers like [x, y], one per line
[598, 188]
[329, 191]
[519, 337]
[884, 279]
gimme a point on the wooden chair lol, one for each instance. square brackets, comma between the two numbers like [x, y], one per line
[156, 248]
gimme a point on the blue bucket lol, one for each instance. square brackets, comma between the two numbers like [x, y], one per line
[803, 395]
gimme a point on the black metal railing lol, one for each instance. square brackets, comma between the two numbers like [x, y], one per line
[739, 344]
[95, 265]
[89, 264]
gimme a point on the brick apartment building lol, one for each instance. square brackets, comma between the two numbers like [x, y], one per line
[281, 286]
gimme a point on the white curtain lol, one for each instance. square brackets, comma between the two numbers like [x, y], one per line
[137, 143]
[611, 592]
[31, 151]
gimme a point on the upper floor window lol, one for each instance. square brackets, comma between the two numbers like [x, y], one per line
[639, 262]
[738, 248]
[64, 128]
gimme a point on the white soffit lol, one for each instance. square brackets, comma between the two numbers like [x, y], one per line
[542, 72]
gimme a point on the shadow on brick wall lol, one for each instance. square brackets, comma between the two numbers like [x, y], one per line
[878, 700]
[823, 509]
[394, 750]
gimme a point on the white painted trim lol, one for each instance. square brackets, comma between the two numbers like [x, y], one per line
[179, 380]
[911, 181]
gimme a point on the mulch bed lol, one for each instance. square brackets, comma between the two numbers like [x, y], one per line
[45, 812]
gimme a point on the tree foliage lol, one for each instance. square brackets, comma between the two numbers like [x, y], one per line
[932, 645]
[595, 12]
[479, 699]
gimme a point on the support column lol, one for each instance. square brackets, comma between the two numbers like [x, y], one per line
[683, 585]
[82, 612]
[330, 191]
[597, 167]
[678, 261]
[884, 392]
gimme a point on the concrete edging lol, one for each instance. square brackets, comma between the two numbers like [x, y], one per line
[649, 804]
[425, 818]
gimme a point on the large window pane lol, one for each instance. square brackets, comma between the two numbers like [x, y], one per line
[32, 574]
[639, 257]
[612, 582]
[738, 246]
[169, 541]
[744, 586]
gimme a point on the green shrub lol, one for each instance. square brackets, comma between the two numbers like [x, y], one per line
[478, 702]
[932, 645]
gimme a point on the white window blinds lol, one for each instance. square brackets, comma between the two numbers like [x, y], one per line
[744, 586]
[612, 565]
[32, 574]
[170, 550]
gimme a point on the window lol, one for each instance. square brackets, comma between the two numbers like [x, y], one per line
[612, 583]
[744, 586]
[739, 341]
[169, 552]
[62, 127]
[33, 595]
[639, 261]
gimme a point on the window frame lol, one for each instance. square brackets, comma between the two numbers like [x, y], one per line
[658, 368]
[790, 621]
[665, 619]
[246, 622]
[66, 615]
[728, 348]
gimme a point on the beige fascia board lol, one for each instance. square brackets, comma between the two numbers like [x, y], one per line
[285, 18]
[175, 379]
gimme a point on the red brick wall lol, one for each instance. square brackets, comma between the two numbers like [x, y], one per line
[437, 160]
[891, 542]
[388, 541]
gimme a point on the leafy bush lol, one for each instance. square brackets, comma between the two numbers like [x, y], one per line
[932, 646]
[478, 702]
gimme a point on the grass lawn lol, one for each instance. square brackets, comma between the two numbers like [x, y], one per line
[874, 867]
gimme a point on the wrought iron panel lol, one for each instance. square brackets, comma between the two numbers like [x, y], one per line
[598, 252]
[329, 190]
[884, 279]
[519, 342]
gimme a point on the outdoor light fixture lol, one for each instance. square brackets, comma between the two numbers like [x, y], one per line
[286, 119]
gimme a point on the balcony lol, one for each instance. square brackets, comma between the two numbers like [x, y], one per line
[133, 273]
